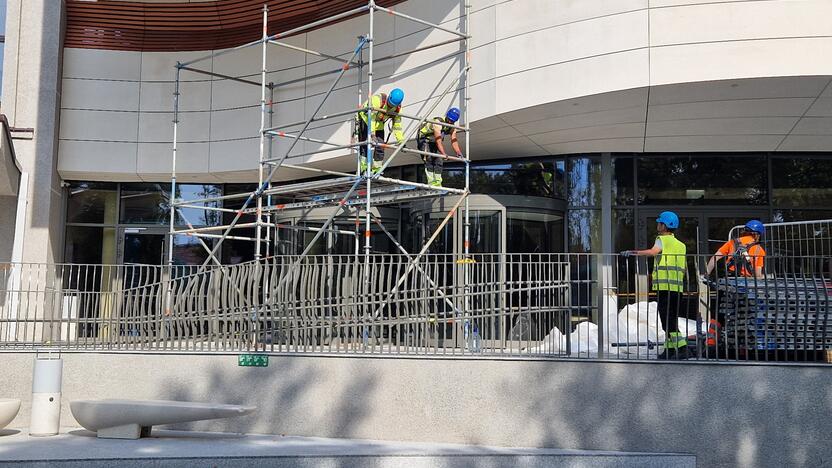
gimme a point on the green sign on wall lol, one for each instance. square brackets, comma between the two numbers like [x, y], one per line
[253, 360]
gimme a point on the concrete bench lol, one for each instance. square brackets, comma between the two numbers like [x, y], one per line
[132, 419]
[8, 410]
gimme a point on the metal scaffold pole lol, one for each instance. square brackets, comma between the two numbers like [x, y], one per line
[172, 214]
[263, 72]
[466, 101]
[173, 165]
[368, 171]
[355, 194]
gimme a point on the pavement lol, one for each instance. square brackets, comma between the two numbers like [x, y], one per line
[78, 447]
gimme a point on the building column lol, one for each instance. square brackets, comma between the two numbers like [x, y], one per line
[31, 99]
[605, 290]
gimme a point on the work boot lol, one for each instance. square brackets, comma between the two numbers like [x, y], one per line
[429, 176]
[675, 354]
[363, 166]
[437, 179]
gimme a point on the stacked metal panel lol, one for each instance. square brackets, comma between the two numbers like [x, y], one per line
[788, 314]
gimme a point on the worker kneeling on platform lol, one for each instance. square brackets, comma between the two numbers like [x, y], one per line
[384, 107]
[430, 140]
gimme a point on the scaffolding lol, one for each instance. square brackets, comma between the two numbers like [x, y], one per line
[360, 191]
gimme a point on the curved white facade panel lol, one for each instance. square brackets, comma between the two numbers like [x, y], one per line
[548, 77]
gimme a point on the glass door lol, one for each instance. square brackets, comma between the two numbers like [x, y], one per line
[142, 246]
[141, 251]
[719, 225]
[702, 230]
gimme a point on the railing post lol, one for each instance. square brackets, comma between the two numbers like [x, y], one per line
[605, 290]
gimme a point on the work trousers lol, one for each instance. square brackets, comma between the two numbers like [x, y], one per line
[378, 152]
[670, 308]
[432, 163]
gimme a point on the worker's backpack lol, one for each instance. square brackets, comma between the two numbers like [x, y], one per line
[740, 259]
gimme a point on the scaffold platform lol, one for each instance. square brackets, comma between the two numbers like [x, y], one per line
[332, 192]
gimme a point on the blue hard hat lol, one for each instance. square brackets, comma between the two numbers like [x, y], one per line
[756, 226]
[396, 97]
[452, 114]
[669, 219]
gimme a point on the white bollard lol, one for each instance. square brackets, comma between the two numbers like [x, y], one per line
[46, 397]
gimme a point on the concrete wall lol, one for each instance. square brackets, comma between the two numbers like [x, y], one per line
[549, 76]
[728, 415]
[8, 211]
[31, 99]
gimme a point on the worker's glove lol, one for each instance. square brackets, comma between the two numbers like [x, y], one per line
[703, 279]
[627, 253]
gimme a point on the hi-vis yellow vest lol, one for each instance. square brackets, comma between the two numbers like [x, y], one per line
[670, 266]
[379, 101]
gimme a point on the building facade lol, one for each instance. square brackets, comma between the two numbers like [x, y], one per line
[587, 119]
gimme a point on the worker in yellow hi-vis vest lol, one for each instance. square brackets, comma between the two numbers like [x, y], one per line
[385, 107]
[429, 140]
[669, 283]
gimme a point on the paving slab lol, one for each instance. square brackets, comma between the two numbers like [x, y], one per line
[76, 448]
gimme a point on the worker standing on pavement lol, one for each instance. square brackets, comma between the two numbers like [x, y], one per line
[744, 256]
[430, 140]
[384, 107]
[668, 282]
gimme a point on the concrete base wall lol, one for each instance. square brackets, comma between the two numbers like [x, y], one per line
[727, 415]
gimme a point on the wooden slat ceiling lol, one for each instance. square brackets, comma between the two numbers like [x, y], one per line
[167, 27]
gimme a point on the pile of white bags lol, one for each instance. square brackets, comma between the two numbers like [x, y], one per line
[631, 328]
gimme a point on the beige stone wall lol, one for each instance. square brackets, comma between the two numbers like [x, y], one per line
[548, 77]
[749, 415]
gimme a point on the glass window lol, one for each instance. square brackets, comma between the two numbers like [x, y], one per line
[145, 203]
[187, 250]
[143, 248]
[236, 251]
[687, 180]
[536, 179]
[90, 244]
[811, 240]
[584, 178]
[623, 230]
[802, 182]
[423, 227]
[530, 232]
[787, 216]
[583, 231]
[623, 171]
[485, 231]
[560, 179]
[344, 244]
[91, 202]
[149, 203]
[196, 216]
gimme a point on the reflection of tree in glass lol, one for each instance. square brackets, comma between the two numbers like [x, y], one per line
[531, 179]
[725, 180]
[583, 227]
[802, 182]
[196, 216]
[584, 181]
